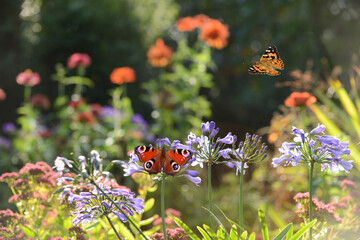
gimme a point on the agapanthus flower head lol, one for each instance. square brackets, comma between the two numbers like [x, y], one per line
[250, 150]
[299, 99]
[28, 78]
[159, 55]
[123, 75]
[2, 95]
[215, 34]
[208, 148]
[40, 101]
[94, 204]
[315, 148]
[78, 59]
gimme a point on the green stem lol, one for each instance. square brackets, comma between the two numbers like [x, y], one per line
[78, 90]
[163, 205]
[27, 94]
[209, 192]
[241, 203]
[112, 201]
[113, 227]
[310, 195]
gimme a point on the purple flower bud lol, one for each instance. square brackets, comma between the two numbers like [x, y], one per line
[318, 129]
[192, 173]
[229, 139]
[196, 180]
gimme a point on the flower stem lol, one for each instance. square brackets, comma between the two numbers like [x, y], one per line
[241, 205]
[310, 196]
[113, 227]
[163, 205]
[209, 192]
[27, 94]
[117, 206]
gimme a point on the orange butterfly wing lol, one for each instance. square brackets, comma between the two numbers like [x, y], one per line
[175, 159]
[269, 62]
[150, 157]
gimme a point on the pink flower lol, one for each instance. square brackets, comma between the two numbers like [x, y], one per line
[8, 177]
[347, 185]
[78, 59]
[28, 78]
[2, 95]
[171, 211]
[40, 101]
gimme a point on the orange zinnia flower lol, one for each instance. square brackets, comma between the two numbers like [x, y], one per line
[186, 24]
[200, 20]
[122, 75]
[86, 117]
[159, 55]
[299, 99]
[215, 34]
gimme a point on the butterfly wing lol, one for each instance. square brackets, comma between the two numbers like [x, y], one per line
[269, 62]
[150, 157]
[175, 159]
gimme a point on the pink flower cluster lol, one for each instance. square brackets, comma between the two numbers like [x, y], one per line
[169, 219]
[172, 234]
[28, 78]
[321, 211]
[78, 59]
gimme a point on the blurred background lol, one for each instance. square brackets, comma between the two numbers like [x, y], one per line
[311, 37]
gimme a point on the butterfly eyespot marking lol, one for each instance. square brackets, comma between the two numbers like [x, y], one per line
[185, 153]
[175, 167]
[148, 165]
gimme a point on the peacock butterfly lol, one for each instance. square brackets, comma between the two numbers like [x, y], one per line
[156, 160]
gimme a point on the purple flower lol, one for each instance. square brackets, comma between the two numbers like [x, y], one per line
[225, 152]
[61, 163]
[326, 150]
[207, 127]
[160, 143]
[8, 127]
[87, 208]
[196, 180]
[229, 139]
[138, 119]
[129, 168]
[300, 135]
[318, 129]
[107, 112]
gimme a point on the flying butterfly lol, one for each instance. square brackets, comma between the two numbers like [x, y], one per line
[269, 63]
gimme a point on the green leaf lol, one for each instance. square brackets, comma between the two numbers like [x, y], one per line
[125, 232]
[290, 233]
[91, 226]
[221, 233]
[252, 236]
[299, 233]
[209, 231]
[244, 235]
[283, 232]
[233, 233]
[146, 221]
[219, 222]
[28, 231]
[149, 204]
[151, 231]
[78, 80]
[274, 216]
[203, 233]
[264, 229]
[191, 234]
